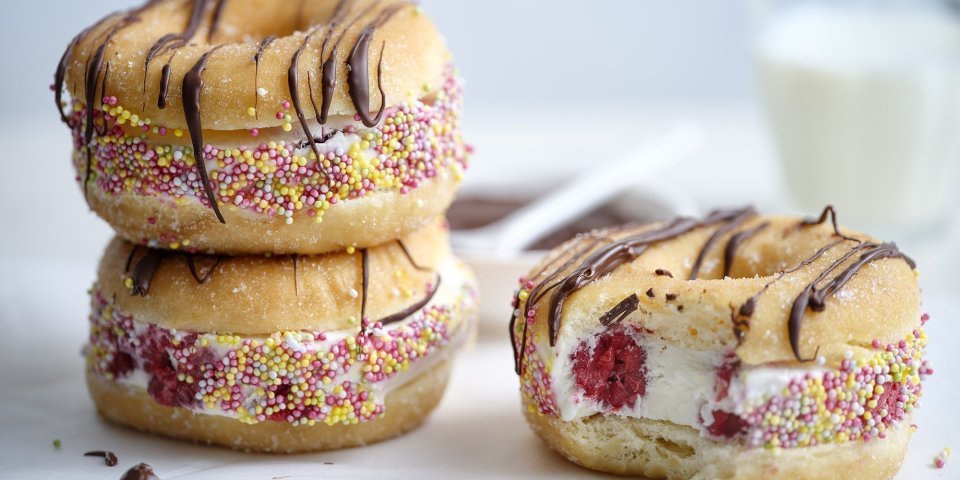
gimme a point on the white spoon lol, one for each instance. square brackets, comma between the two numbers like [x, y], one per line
[524, 226]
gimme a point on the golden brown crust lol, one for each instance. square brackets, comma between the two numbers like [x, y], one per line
[414, 58]
[659, 449]
[881, 302]
[248, 295]
[406, 408]
[361, 222]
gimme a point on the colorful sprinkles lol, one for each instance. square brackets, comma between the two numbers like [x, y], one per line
[859, 401]
[940, 460]
[297, 377]
[415, 142]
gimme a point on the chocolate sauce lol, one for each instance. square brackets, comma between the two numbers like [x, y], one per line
[402, 314]
[612, 256]
[358, 71]
[365, 287]
[90, 92]
[140, 472]
[109, 458]
[173, 41]
[814, 297]
[293, 84]
[730, 251]
[215, 20]
[165, 82]
[256, 71]
[620, 311]
[146, 267]
[192, 84]
[723, 230]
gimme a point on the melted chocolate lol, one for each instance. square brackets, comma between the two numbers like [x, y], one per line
[140, 472]
[256, 71]
[358, 71]
[620, 311]
[365, 286]
[215, 20]
[173, 41]
[730, 251]
[814, 297]
[406, 312]
[724, 229]
[165, 83]
[293, 84]
[90, 91]
[146, 267]
[612, 256]
[109, 458]
[192, 84]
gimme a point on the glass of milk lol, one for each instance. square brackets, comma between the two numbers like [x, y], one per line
[864, 102]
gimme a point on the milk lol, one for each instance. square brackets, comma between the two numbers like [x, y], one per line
[865, 107]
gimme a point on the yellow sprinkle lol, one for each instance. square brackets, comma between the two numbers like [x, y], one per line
[251, 111]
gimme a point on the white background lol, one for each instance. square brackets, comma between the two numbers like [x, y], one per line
[552, 86]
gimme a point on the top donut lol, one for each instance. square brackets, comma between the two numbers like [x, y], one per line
[321, 124]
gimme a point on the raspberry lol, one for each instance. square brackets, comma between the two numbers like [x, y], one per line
[726, 424]
[613, 372]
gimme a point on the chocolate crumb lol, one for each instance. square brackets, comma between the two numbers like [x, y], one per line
[671, 297]
[663, 273]
[140, 472]
[650, 293]
[109, 458]
[679, 308]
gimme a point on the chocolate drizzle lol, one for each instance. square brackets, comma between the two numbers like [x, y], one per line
[256, 71]
[365, 287]
[621, 310]
[140, 472]
[724, 229]
[146, 268]
[109, 458]
[165, 82]
[730, 251]
[92, 74]
[172, 41]
[215, 20]
[358, 71]
[814, 297]
[293, 84]
[192, 84]
[611, 256]
[406, 312]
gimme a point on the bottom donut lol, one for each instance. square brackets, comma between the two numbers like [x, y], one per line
[278, 354]
[407, 407]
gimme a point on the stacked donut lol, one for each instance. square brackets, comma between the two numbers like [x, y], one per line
[734, 346]
[276, 173]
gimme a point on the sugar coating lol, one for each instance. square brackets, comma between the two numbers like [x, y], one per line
[417, 140]
[297, 377]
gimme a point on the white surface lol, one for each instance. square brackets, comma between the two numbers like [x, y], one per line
[50, 245]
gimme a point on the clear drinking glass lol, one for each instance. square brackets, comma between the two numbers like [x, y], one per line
[863, 99]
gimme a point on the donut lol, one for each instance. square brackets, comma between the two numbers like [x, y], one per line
[278, 353]
[319, 124]
[738, 345]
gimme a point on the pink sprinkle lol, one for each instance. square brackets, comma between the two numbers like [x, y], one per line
[254, 132]
[279, 115]
[285, 105]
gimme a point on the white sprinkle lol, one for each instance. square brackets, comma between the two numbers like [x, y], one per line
[261, 91]
[354, 293]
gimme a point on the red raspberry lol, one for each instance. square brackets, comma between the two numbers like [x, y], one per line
[613, 372]
[726, 424]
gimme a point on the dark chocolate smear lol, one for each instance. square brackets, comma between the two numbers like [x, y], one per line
[256, 71]
[620, 311]
[192, 84]
[109, 458]
[144, 271]
[140, 472]
[165, 82]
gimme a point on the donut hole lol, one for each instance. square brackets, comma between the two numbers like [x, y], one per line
[254, 20]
